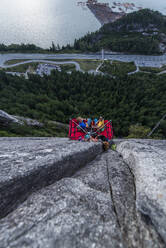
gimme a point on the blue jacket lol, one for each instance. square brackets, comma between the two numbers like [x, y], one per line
[83, 125]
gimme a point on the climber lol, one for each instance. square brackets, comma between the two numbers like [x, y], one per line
[100, 123]
[81, 122]
[79, 128]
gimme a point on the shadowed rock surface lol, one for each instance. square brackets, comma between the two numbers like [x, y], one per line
[99, 205]
[32, 163]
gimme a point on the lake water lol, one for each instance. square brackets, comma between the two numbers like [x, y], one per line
[43, 21]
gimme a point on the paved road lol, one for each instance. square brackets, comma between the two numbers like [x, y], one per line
[133, 72]
[140, 60]
[45, 61]
[160, 73]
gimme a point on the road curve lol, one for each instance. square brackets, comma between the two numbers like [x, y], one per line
[140, 60]
[44, 61]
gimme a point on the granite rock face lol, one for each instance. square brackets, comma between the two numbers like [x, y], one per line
[148, 164]
[29, 121]
[6, 119]
[96, 201]
[30, 163]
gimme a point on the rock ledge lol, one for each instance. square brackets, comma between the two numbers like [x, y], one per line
[27, 164]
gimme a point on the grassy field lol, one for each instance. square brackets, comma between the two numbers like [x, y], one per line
[114, 67]
[87, 65]
[22, 68]
[15, 61]
[68, 67]
[153, 69]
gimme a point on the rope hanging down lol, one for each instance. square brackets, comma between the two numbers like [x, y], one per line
[157, 125]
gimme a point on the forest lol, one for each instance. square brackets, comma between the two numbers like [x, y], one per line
[135, 100]
[20, 48]
[139, 32]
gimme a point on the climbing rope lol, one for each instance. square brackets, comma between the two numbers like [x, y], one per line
[157, 125]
